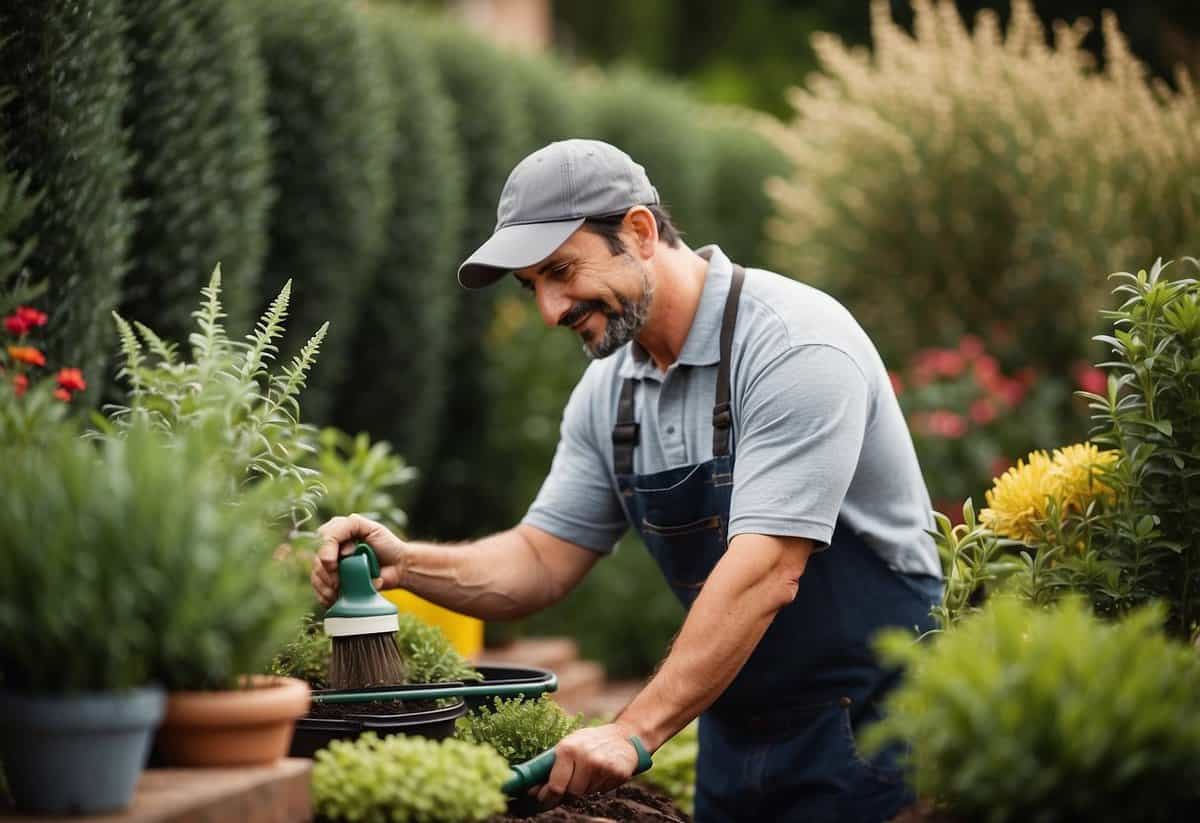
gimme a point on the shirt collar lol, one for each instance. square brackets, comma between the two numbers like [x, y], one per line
[703, 344]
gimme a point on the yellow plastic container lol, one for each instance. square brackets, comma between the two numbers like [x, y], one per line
[464, 633]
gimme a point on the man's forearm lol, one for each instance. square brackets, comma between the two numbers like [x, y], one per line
[495, 578]
[736, 606]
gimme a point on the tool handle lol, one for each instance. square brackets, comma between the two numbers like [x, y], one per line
[535, 771]
[437, 692]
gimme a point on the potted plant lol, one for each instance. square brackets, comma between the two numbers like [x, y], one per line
[233, 603]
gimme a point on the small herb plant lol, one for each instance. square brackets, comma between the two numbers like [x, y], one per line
[517, 728]
[1016, 715]
[230, 382]
[674, 770]
[360, 476]
[400, 779]
[306, 655]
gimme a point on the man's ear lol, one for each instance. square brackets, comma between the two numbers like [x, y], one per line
[643, 228]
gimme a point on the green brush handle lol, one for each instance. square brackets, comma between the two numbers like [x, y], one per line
[532, 772]
[357, 596]
[437, 692]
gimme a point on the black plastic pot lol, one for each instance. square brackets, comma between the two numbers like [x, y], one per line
[532, 683]
[313, 733]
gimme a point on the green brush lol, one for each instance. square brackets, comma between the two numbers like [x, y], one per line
[363, 626]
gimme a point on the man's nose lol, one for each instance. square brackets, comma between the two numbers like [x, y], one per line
[552, 302]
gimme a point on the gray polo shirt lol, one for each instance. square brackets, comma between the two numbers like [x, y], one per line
[818, 436]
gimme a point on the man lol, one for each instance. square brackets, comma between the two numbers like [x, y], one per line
[745, 426]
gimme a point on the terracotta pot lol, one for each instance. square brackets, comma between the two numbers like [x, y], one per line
[238, 727]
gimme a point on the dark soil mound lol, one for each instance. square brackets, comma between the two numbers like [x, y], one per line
[631, 802]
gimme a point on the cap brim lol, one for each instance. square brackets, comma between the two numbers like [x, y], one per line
[514, 247]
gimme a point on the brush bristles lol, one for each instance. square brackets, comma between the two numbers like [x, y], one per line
[364, 660]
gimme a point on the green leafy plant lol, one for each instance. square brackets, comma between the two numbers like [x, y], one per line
[135, 559]
[1151, 414]
[229, 388]
[519, 729]
[306, 655]
[360, 476]
[1016, 716]
[674, 770]
[428, 656]
[401, 779]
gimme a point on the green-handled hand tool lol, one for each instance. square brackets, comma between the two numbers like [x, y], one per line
[526, 775]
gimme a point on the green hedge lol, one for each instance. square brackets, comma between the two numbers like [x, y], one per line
[195, 147]
[396, 385]
[739, 206]
[659, 127]
[461, 491]
[16, 206]
[65, 63]
[331, 146]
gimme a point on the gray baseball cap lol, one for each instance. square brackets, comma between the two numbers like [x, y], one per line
[547, 197]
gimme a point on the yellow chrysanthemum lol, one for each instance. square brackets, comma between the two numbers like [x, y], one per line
[1017, 500]
[1075, 469]
[1020, 497]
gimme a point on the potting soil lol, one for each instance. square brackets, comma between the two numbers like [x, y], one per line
[631, 802]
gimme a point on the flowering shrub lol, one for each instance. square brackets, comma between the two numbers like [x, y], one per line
[21, 357]
[963, 173]
[969, 417]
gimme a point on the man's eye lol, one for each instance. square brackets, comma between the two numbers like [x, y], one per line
[560, 272]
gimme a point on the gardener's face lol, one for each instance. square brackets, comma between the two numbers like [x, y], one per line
[583, 286]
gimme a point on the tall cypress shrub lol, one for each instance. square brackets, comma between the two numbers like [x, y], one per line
[395, 387]
[200, 158]
[65, 64]
[463, 492]
[331, 143]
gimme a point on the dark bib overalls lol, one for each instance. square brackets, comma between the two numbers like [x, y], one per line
[779, 743]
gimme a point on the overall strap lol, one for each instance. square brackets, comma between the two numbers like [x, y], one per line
[722, 413]
[625, 432]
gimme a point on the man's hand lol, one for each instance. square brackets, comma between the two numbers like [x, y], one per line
[590, 760]
[338, 537]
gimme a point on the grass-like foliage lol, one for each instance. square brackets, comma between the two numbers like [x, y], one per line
[1022, 714]
[519, 729]
[230, 383]
[401, 779]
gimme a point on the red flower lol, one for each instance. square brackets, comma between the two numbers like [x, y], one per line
[27, 354]
[940, 423]
[63, 395]
[1089, 378]
[15, 326]
[20, 384]
[897, 383]
[971, 346]
[71, 380]
[982, 411]
[32, 317]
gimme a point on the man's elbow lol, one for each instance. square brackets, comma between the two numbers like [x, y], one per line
[790, 566]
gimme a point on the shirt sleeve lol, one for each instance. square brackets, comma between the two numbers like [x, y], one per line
[578, 502]
[802, 422]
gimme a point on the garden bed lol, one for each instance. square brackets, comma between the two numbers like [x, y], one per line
[631, 802]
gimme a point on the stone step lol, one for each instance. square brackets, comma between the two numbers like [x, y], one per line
[579, 681]
[540, 652]
[614, 696]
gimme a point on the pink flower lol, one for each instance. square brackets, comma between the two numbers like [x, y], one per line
[20, 384]
[971, 346]
[940, 423]
[1089, 378]
[982, 411]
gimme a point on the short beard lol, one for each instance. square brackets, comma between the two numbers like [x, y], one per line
[623, 325]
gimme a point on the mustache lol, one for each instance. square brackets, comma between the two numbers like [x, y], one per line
[577, 312]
